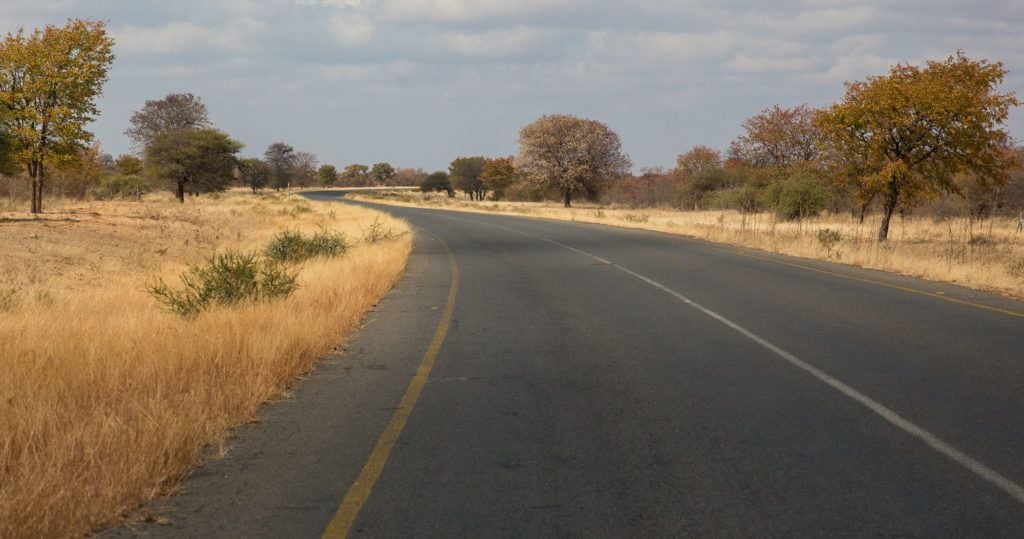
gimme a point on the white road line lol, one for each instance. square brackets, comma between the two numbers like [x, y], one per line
[963, 459]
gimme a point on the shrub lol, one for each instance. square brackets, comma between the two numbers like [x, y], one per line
[8, 299]
[828, 238]
[636, 217]
[121, 185]
[798, 195]
[291, 246]
[226, 279]
[743, 199]
[377, 232]
[1016, 267]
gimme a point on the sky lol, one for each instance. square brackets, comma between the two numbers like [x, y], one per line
[419, 82]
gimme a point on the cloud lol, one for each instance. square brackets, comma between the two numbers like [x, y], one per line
[660, 48]
[351, 28]
[853, 67]
[495, 44]
[172, 38]
[469, 10]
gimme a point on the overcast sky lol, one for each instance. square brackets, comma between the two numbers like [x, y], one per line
[419, 82]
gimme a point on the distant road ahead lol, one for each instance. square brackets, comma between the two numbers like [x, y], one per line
[610, 382]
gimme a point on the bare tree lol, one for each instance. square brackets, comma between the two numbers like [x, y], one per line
[174, 112]
[304, 171]
[576, 154]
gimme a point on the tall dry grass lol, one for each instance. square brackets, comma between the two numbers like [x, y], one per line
[985, 255]
[106, 400]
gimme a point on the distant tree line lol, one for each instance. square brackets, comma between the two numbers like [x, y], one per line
[924, 138]
[919, 138]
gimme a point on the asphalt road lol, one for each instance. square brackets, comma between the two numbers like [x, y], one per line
[598, 381]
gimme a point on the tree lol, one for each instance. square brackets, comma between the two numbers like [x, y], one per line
[778, 137]
[128, 165]
[498, 175]
[409, 176]
[464, 175]
[355, 175]
[201, 159]
[172, 113]
[8, 166]
[575, 154]
[280, 159]
[49, 82]
[77, 175]
[304, 171]
[382, 173]
[699, 160]
[438, 181]
[254, 172]
[906, 135]
[328, 174]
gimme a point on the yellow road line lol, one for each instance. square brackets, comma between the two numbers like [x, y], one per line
[879, 283]
[358, 493]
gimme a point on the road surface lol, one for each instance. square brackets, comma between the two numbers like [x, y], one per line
[587, 380]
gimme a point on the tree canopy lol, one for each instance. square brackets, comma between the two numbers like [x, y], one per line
[328, 174]
[280, 159]
[254, 172]
[464, 175]
[778, 137]
[49, 82]
[498, 175]
[905, 135]
[382, 173]
[201, 160]
[575, 154]
[172, 113]
[437, 181]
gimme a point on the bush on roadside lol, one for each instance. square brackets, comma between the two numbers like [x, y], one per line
[225, 279]
[799, 195]
[123, 186]
[289, 246]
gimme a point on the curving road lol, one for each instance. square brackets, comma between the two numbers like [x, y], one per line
[599, 381]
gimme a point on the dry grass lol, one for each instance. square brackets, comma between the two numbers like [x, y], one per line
[986, 255]
[107, 400]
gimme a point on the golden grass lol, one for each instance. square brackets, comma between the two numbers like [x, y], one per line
[987, 255]
[106, 400]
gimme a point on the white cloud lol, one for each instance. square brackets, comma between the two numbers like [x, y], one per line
[178, 37]
[172, 38]
[499, 43]
[658, 47]
[468, 10]
[351, 28]
[763, 64]
[853, 67]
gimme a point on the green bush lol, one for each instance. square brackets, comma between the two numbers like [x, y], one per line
[799, 195]
[744, 199]
[289, 246]
[124, 186]
[225, 279]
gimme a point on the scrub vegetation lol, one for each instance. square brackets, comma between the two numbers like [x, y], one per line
[108, 396]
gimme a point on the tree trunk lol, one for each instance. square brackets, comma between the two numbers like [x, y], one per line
[891, 200]
[180, 193]
[568, 198]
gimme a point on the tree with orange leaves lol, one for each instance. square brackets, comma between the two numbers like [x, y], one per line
[906, 135]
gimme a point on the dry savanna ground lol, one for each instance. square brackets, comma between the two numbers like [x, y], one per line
[106, 398]
[985, 255]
